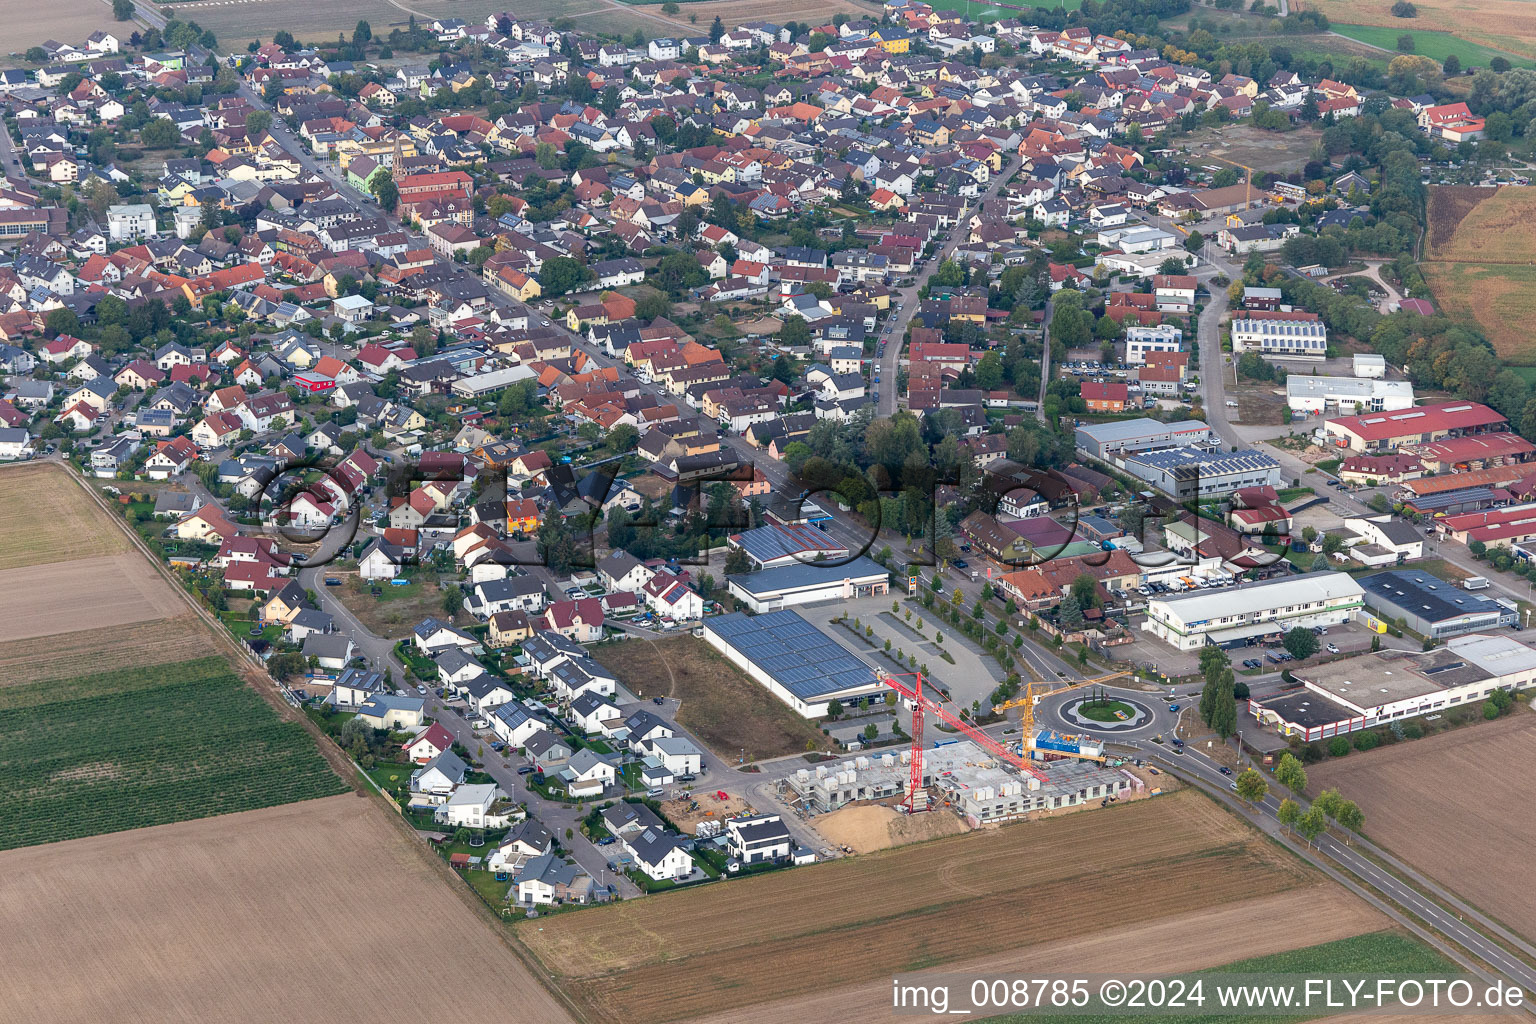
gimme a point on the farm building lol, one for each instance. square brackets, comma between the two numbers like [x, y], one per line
[1433, 606]
[1389, 686]
[981, 789]
[786, 585]
[799, 664]
[1191, 621]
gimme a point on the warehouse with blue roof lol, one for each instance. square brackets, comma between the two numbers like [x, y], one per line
[798, 663]
[771, 589]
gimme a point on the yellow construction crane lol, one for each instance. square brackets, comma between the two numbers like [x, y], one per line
[1034, 690]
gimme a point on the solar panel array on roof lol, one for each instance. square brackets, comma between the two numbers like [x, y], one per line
[800, 657]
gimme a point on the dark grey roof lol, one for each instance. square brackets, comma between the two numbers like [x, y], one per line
[800, 657]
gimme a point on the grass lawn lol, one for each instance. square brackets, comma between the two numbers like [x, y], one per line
[1106, 710]
[983, 11]
[724, 708]
[1438, 45]
[1376, 953]
[394, 611]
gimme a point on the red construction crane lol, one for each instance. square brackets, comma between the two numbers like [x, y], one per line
[922, 706]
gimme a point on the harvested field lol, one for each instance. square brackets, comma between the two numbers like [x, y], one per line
[1481, 225]
[856, 920]
[869, 827]
[734, 12]
[40, 600]
[46, 517]
[1508, 25]
[1414, 796]
[67, 655]
[68, 21]
[719, 704]
[1495, 296]
[1189, 941]
[251, 917]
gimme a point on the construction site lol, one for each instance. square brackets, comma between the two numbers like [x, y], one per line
[984, 781]
[979, 786]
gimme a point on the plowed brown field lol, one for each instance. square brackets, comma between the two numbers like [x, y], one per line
[857, 920]
[64, 597]
[1453, 800]
[68, 655]
[322, 910]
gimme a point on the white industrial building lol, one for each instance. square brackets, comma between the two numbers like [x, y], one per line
[786, 585]
[1389, 686]
[1190, 621]
[1198, 473]
[1283, 335]
[1369, 364]
[1347, 394]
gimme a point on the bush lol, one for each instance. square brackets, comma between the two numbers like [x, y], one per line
[1338, 746]
[1367, 741]
[1312, 753]
[1413, 730]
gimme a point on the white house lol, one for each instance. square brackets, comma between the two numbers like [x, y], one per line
[380, 561]
[127, 221]
[514, 725]
[586, 774]
[758, 839]
[660, 855]
[677, 754]
[475, 805]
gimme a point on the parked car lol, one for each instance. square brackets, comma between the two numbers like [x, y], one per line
[1333, 648]
[332, 581]
[658, 700]
[526, 769]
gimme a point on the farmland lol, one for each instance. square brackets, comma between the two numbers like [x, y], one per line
[1415, 799]
[1505, 25]
[734, 12]
[270, 915]
[1480, 263]
[145, 746]
[68, 655]
[46, 517]
[68, 20]
[1435, 45]
[719, 704]
[37, 600]
[830, 928]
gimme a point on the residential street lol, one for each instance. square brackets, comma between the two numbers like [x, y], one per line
[890, 359]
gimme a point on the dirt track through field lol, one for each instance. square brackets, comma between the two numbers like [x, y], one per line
[62, 597]
[317, 911]
[1181, 942]
[1456, 807]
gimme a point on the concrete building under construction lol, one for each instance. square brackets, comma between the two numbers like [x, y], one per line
[981, 788]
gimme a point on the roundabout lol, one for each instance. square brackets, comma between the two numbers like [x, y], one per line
[1105, 711]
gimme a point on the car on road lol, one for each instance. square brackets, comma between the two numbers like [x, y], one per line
[1232, 786]
[421, 690]
[960, 563]
[1225, 770]
[1173, 707]
[1333, 648]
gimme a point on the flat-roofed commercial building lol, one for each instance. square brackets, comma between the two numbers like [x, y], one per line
[1191, 621]
[798, 663]
[1195, 472]
[772, 589]
[1347, 394]
[1389, 686]
[1103, 440]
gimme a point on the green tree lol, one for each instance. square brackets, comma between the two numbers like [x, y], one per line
[623, 438]
[1312, 824]
[122, 10]
[1252, 787]
[384, 189]
[1350, 816]
[737, 561]
[1301, 643]
[257, 123]
[1289, 812]
[1290, 774]
[159, 133]
[559, 275]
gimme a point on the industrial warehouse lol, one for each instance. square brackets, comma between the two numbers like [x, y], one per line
[1233, 616]
[1198, 473]
[1388, 686]
[1433, 607]
[786, 585]
[981, 788]
[799, 664]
